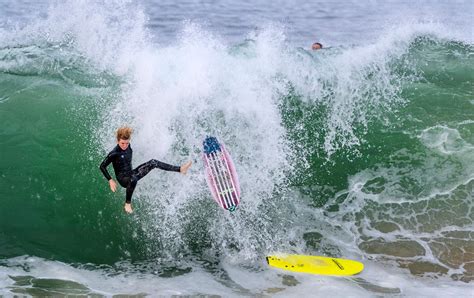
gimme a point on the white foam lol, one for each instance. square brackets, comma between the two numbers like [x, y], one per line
[113, 37]
[446, 140]
[99, 281]
[374, 280]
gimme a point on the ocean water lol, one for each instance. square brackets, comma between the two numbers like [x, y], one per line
[362, 150]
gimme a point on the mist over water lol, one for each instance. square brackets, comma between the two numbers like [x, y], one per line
[362, 151]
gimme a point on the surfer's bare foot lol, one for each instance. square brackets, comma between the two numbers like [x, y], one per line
[184, 168]
[128, 208]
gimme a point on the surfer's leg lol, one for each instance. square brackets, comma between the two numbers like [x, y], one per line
[143, 169]
[129, 183]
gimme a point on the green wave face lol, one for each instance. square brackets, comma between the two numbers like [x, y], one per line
[53, 201]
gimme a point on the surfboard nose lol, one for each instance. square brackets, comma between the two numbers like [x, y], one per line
[210, 145]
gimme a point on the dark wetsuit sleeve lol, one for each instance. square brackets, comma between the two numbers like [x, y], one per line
[105, 163]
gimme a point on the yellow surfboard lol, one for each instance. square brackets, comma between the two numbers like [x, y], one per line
[315, 264]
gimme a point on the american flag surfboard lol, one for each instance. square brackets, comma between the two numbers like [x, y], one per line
[220, 174]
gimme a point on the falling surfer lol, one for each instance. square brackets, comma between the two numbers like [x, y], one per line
[121, 159]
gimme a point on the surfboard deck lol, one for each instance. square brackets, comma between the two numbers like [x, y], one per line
[221, 175]
[315, 264]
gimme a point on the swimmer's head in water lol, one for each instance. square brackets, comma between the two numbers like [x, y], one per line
[316, 46]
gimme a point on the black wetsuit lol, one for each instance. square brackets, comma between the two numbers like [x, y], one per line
[128, 178]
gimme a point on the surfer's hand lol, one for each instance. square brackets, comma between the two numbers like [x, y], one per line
[113, 185]
[184, 168]
[128, 207]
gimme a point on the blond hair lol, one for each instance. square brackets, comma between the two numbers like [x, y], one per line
[124, 133]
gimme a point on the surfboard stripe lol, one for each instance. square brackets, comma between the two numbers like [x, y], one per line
[224, 178]
[231, 180]
[225, 192]
[222, 181]
[214, 182]
[209, 180]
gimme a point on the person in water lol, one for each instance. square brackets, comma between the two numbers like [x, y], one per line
[316, 46]
[121, 159]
